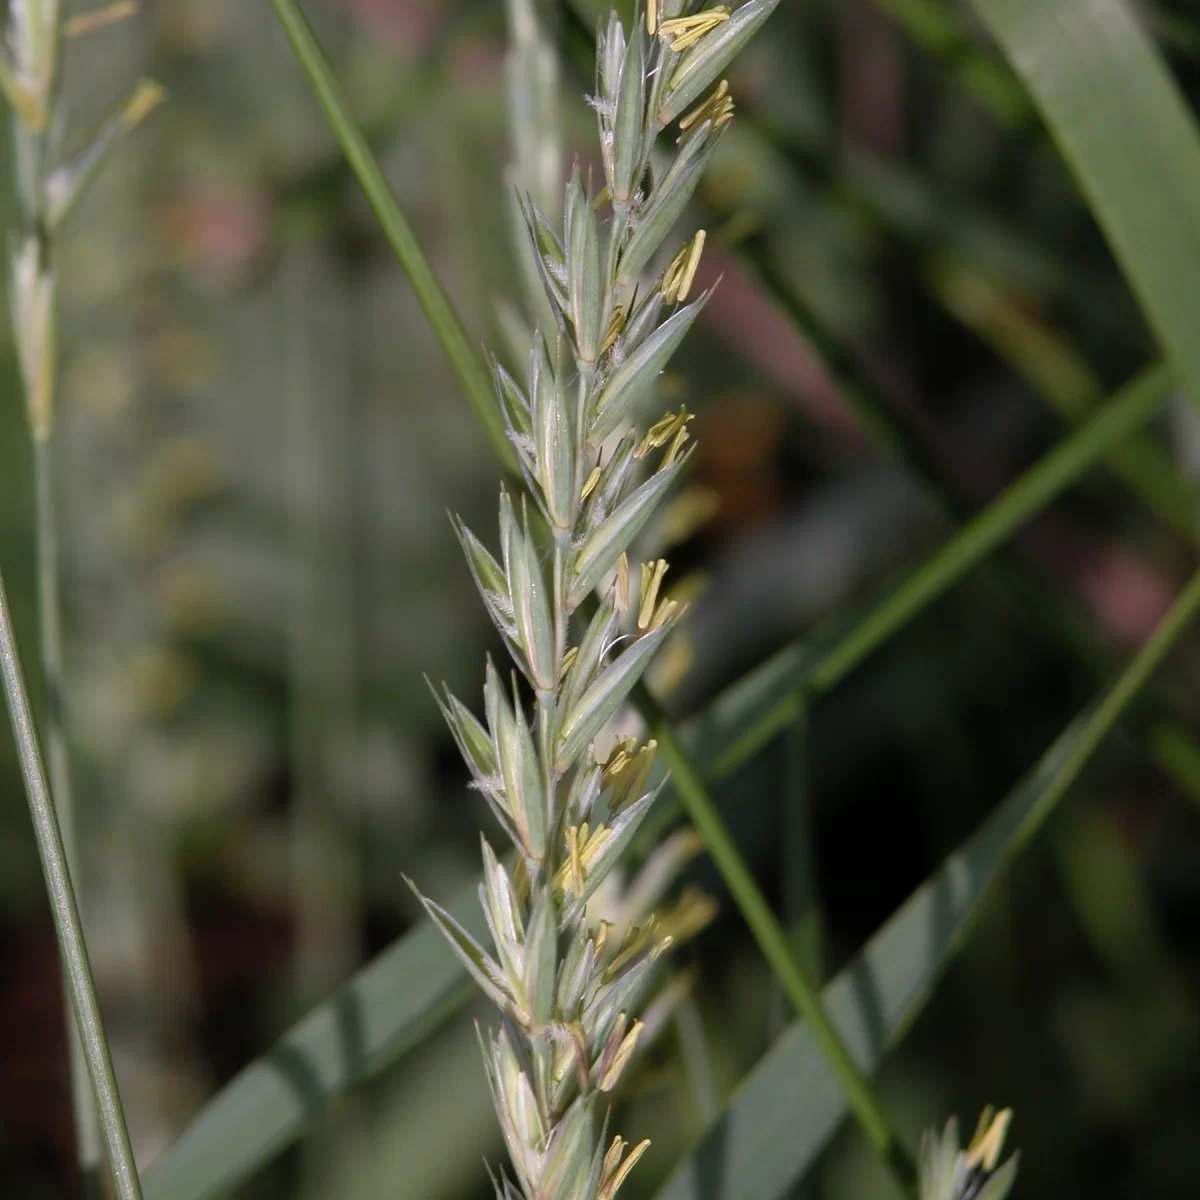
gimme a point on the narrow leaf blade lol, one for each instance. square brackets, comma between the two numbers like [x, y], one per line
[1120, 121]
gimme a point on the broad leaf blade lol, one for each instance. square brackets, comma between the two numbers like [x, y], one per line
[1125, 131]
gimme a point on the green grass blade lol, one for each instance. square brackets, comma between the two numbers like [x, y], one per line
[1125, 131]
[787, 1108]
[1130, 408]
[72, 948]
[466, 363]
[751, 712]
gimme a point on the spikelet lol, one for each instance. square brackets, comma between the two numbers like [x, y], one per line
[976, 1173]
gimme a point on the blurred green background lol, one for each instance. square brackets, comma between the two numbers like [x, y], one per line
[258, 440]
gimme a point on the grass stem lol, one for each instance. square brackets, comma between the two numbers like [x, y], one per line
[779, 952]
[87, 1131]
[1129, 409]
[67, 925]
[430, 294]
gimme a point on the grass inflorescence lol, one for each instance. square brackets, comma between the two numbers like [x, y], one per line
[567, 989]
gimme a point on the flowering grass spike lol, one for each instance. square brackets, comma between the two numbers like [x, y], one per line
[976, 1173]
[567, 987]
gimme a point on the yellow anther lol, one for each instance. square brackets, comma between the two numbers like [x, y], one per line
[665, 612]
[662, 431]
[718, 108]
[571, 873]
[652, 577]
[615, 325]
[594, 844]
[589, 485]
[616, 764]
[583, 852]
[570, 1050]
[613, 1180]
[622, 598]
[673, 450]
[613, 1158]
[579, 1041]
[636, 939]
[568, 662]
[636, 781]
[621, 1059]
[687, 31]
[600, 937]
[694, 911]
[619, 757]
[631, 784]
[576, 859]
[652, 16]
[657, 435]
[677, 278]
[986, 1145]
[147, 96]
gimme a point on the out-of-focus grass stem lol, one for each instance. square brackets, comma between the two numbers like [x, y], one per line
[36, 37]
[87, 1131]
[80, 986]
[46, 192]
[434, 302]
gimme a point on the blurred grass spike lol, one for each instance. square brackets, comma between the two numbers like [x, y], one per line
[20, 93]
[67, 183]
[30, 79]
[34, 317]
[984, 1151]
[950, 1173]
